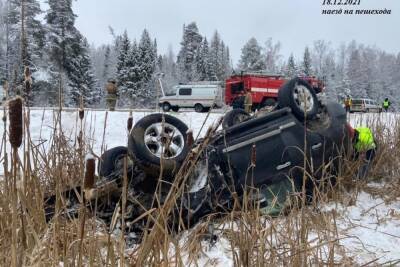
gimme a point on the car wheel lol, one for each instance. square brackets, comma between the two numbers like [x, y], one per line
[298, 95]
[175, 108]
[111, 164]
[198, 108]
[166, 107]
[153, 141]
[233, 117]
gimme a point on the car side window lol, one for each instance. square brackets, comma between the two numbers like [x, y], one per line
[185, 91]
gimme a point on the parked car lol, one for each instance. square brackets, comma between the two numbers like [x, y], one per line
[364, 105]
[201, 97]
[300, 136]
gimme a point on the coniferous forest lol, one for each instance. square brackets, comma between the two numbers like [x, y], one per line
[61, 58]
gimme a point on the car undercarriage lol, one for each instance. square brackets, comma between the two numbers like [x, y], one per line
[242, 157]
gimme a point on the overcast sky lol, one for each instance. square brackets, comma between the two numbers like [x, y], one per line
[296, 23]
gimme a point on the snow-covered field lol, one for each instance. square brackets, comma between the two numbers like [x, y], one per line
[103, 129]
[368, 230]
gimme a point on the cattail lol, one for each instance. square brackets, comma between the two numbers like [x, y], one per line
[16, 125]
[189, 137]
[89, 172]
[130, 122]
[81, 113]
[253, 155]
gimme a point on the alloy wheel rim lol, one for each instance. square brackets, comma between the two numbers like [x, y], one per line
[303, 98]
[164, 140]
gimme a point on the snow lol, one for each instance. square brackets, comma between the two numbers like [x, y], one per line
[42, 75]
[387, 120]
[372, 227]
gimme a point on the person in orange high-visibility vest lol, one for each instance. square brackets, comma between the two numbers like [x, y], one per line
[347, 103]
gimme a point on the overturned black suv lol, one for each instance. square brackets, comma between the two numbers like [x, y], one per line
[301, 137]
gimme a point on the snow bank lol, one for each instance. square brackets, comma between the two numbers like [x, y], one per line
[370, 229]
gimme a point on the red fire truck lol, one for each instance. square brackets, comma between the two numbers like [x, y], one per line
[263, 88]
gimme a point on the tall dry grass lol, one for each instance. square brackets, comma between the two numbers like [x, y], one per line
[303, 235]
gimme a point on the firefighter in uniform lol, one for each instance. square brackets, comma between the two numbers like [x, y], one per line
[364, 146]
[112, 94]
[347, 103]
[386, 104]
[248, 102]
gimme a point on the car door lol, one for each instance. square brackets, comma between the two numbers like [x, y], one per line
[260, 141]
[185, 96]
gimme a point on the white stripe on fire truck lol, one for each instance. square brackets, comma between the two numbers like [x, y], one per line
[264, 90]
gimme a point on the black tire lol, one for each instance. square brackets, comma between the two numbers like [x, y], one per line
[287, 98]
[145, 154]
[111, 163]
[175, 108]
[198, 108]
[166, 106]
[234, 117]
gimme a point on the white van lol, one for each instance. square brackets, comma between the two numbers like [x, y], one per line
[364, 105]
[201, 97]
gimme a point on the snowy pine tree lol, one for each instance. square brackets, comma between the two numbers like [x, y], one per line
[291, 68]
[67, 49]
[134, 72]
[203, 62]
[82, 81]
[147, 62]
[191, 42]
[124, 55]
[219, 58]
[252, 58]
[27, 49]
